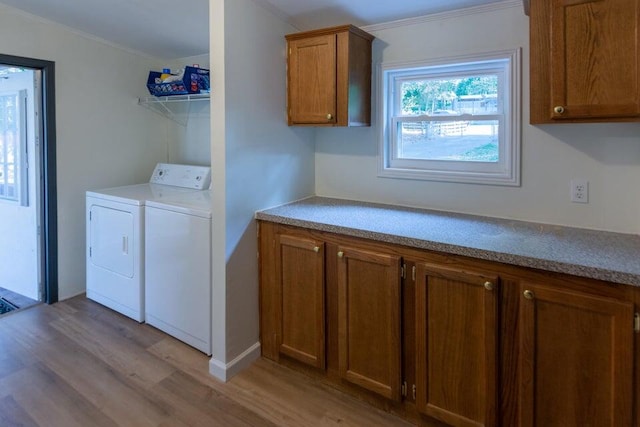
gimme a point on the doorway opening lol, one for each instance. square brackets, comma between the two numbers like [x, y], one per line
[28, 218]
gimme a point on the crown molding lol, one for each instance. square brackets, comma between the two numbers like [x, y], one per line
[499, 5]
[279, 13]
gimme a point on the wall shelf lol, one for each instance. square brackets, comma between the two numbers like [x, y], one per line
[174, 107]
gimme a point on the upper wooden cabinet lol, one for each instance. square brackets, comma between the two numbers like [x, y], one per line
[585, 60]
[329, 77]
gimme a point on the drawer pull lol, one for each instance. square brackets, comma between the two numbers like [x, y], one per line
[488, 286]
[529, 294]
[316, 249]
[340, 254]
[559, 109]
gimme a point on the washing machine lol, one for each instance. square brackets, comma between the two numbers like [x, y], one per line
[178, 267]
[115, 238]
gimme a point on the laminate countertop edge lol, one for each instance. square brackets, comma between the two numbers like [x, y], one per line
[601, 255]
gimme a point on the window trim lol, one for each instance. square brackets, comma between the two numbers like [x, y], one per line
[508, 171]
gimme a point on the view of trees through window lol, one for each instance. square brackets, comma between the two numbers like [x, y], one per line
[428, 96]
[438, 126]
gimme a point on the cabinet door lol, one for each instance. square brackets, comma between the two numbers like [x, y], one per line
[595, 59]
[369, 320]
[456, 339]
[576, 359]
[300, 270]
[312, 80]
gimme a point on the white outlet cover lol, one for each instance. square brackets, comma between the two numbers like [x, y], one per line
[580, 191]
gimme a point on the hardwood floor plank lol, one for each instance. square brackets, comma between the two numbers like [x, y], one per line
[48, 398]
[14, 415]
[188, 393]
[142, 334]
[76, 363]
[279, 394]
[106, 388]
[11, 359]
[301, 400]
[115, 350]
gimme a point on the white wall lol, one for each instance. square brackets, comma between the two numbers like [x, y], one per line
[190, 144]
[258, 161]
[607, 155]
[104, 138]
[19, 256]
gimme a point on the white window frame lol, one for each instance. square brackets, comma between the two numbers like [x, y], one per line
[507, 65]
[21, 164]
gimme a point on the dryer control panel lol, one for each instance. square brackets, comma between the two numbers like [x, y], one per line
[186, 176]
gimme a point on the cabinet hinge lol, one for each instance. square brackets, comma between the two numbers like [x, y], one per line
[413, 273]
[403, 271]
[636, 322]
[413, 391]
[403, 389]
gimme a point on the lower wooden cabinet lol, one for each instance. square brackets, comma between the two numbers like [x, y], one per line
[456, 345]
[471, 342]
[369, 320]
[301, 312]
[576, 359]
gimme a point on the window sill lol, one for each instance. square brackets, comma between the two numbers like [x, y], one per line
[485, 178]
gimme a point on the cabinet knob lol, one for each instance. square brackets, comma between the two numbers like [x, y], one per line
[316, 249]
[529, 294]
[329, 116]
[559, 109]
[340, 254]
[488, 286]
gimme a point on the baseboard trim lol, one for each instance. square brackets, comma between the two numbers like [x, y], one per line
[224, 372]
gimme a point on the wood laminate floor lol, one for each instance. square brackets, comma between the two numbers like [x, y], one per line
[76, 363]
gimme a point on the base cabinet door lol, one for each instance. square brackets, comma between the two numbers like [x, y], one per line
[301, 287]
[576, 359]
[456, 345]
[369, 341]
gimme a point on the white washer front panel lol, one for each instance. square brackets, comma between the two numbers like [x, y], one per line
[178, 275]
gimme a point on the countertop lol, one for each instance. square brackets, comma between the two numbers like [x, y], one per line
[613, 257]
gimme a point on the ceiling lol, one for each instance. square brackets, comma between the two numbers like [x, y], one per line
[168, 29]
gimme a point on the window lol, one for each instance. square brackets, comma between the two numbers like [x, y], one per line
[456, 120]
[13, 179]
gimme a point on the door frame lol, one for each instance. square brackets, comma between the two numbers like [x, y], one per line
[47, 172]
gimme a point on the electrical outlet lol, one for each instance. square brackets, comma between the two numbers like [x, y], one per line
[580, 191]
